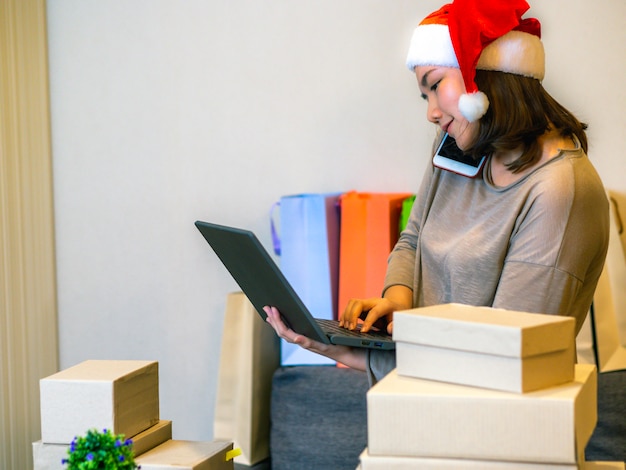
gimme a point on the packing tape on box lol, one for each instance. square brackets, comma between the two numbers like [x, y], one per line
[231, 454]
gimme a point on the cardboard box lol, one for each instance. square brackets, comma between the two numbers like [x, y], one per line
[122, 396]
[152, 437]
[485, 347]
[370, 462]
[604, 466]
[422, 418]
[188, 455]
[50, 456]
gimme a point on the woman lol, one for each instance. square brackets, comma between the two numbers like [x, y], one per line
[531, 232]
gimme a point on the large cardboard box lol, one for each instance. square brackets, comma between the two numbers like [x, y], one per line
[498, 465]
[371, 462]
[485, 347]
[603, 466]
[188, 455]
[122, 396]
[423, 418]
[50, 456]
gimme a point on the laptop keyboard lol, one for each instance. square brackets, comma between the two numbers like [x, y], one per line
[332, 327]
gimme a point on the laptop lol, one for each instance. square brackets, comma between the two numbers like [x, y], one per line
[263, 283]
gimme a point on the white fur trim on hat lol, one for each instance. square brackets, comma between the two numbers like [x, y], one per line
[473, 106]
[515, 52]
[431, 45]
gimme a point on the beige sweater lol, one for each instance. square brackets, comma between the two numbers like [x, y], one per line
[536, 246]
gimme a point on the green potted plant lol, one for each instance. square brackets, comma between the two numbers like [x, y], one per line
[100, 450]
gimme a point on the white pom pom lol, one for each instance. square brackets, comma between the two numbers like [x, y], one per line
[473, 106]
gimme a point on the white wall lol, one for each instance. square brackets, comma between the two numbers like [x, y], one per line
[168, 111]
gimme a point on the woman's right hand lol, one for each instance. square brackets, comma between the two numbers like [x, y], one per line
[376, 312]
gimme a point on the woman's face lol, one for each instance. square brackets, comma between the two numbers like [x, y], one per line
[442, 87]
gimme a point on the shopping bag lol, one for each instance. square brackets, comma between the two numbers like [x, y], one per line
[618, 201]
[369, 231]
[250, 354]
[405, 212]
[585, 347]
[608, 313]
[308, 245]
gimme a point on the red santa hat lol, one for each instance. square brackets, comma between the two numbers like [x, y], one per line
[479, 34]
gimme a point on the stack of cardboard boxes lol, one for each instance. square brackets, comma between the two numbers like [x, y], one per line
[122, 396]
[482, 388]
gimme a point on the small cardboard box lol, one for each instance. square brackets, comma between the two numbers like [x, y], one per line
[152, 437]
[50, 456]
[122, 396]
[370, 462]
[188, 455]
[423, 418]
[485, 347]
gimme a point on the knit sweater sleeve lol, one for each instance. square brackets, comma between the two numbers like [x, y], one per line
[401, 261]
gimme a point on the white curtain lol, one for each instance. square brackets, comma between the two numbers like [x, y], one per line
[28, 320]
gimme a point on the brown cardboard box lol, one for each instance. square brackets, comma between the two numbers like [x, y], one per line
[370, 462]
[152, 437]
[50, 456]
[603, 466]
[188, 455]
[485, 347]
[423, 418]
[122, 396]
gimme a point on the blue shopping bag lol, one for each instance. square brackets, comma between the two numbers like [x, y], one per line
[308, 245]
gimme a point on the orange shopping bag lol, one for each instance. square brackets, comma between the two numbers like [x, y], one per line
[369, 231]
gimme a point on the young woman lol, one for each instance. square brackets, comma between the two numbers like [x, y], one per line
[530, 233]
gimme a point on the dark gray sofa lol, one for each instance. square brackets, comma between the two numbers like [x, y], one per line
[609, 438]
[319, 418]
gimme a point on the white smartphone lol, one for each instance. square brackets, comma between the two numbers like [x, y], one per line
[450, 157]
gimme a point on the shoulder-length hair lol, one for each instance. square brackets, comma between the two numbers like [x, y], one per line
[520, 111]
